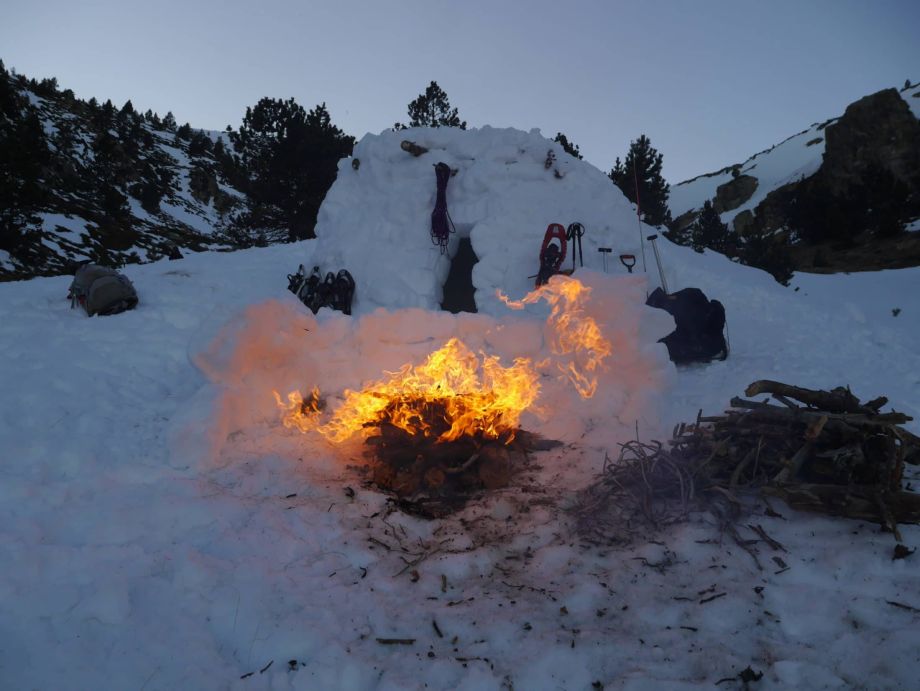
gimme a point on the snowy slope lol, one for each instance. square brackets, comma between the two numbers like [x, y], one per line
[69, 227]
[912, 96]
[160, 528]
[799, 156]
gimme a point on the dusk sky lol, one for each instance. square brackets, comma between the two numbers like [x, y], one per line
[710, 82]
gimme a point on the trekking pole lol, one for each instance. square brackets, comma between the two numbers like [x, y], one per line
[574, 233]
[605, 251]
[664, 283]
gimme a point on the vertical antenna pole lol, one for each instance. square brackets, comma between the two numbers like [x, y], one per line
[639, 214]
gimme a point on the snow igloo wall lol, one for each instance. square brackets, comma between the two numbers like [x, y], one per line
[376, 218]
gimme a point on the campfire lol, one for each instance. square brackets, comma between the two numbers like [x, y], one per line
[442, 429]
[439, 431]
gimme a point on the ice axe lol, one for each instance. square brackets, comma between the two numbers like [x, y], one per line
[664, 283]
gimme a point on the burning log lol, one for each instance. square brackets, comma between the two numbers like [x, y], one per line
[833, 454]
[432, 477]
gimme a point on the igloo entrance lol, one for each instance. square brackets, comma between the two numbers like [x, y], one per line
[459, 293]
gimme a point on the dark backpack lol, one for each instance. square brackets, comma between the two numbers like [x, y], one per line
[100, 290]
[700, 324]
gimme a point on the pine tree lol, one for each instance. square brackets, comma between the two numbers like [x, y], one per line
[680, 236]
[25, 153]
[169, 121]
[709, 231]
[769, 254]
[642, 168]
[432, 109]
[47, 87]
[288, 159]
[200, 144]
[569, 147]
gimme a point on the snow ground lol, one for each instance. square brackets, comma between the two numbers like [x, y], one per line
[160, 528]
[137, 553]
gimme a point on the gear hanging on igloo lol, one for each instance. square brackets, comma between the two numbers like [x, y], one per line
[552, 252]
[441, 223]
[574, 233]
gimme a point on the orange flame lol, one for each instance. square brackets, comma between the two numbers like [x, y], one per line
[477, 396]
[454, 392]
[573, 331]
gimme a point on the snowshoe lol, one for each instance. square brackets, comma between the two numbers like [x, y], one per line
[308, 289]
[552, 253]
[343, 291]
[296, 280]
[322, 296]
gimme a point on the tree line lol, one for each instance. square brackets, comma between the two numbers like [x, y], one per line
[283, 158]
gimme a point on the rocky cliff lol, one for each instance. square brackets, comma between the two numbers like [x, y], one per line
[851, 181]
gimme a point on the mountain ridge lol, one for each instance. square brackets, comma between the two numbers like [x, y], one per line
[88, 181]
[864, 161]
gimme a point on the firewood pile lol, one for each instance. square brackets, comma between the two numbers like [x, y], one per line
[433, 478]
[821, 451]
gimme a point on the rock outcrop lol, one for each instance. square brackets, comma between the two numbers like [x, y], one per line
[875, 132]
[876, 135]
[734, 193]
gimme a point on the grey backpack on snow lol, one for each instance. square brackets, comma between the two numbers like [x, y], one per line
[100, 290]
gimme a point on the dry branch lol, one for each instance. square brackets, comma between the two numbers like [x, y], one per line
[837, 456]
[838, 400]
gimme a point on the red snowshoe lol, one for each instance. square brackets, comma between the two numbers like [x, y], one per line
[552, 253]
